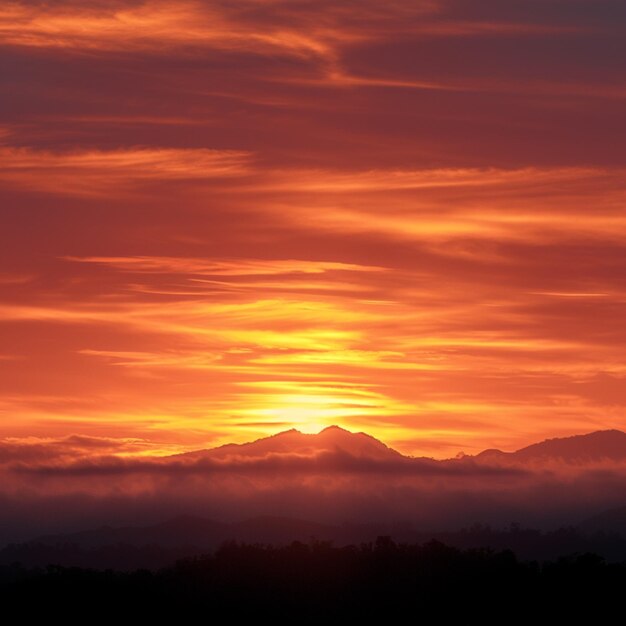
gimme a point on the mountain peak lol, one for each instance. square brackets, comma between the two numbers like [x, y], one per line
[332, 428]
[330, 440]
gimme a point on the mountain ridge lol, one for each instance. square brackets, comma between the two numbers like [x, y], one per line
[596, 446]
[188, 536]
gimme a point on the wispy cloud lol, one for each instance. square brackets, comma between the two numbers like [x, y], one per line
[224, 267]
[96, 172]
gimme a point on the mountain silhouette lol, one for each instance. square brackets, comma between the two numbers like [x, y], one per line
[332, 439]
[602, 445]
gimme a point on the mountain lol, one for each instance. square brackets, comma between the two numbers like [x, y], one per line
[333, 439]
[595, 447]
[602, 445]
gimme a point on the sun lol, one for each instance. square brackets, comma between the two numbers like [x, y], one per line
[308, 413]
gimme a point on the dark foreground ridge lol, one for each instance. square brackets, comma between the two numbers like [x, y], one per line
[302, 583]
[160, 545]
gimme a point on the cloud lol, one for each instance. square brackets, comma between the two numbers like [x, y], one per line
[327, 462]
[153, 26]
[40, 497]
[473, 361]
[31, 451]
[433, 205]
[14, 279]
[225, 267]
[90, 173]
[317, 36]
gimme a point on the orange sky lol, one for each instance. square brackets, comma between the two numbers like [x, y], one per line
[224, 219]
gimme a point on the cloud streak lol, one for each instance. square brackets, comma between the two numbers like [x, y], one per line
[96, 172]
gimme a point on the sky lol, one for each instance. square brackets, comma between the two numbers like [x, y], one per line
[220, 220]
